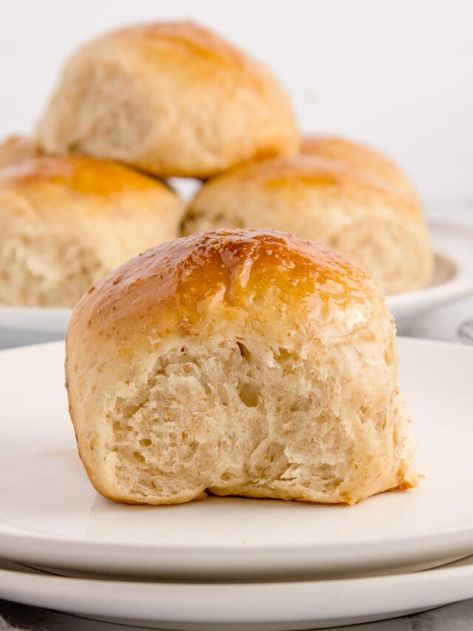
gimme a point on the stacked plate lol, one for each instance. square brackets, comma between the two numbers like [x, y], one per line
[229, 562]
[452, 279]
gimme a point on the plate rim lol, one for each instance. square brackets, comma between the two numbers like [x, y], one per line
[315, 600]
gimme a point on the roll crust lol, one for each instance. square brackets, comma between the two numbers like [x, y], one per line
[362, 158]
[172, 99]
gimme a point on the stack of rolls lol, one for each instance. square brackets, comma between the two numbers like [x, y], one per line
[242, 358]
[173, 99]
[134, 106]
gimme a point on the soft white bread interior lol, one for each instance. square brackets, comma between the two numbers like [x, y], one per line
[237, 362]
[65, 222]
[170, 98]
[323, 200]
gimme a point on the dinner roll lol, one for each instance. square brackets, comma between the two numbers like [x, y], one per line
[170, 98]
[360, 157]
[64, 222]
[14, 149]
[323, 200]
[237, 362]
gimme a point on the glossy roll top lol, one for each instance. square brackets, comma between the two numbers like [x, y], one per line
[228, 274]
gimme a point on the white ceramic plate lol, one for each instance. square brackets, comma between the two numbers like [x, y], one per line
[453, 279]
[51, 516]
[255, 606]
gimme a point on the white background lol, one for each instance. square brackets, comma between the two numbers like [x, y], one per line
[395, 73]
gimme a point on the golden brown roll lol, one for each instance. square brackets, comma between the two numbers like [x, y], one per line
[323, 200]
[237, 362]
[16, 148]
[64, 222]
[170, 98]
[360, 157]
